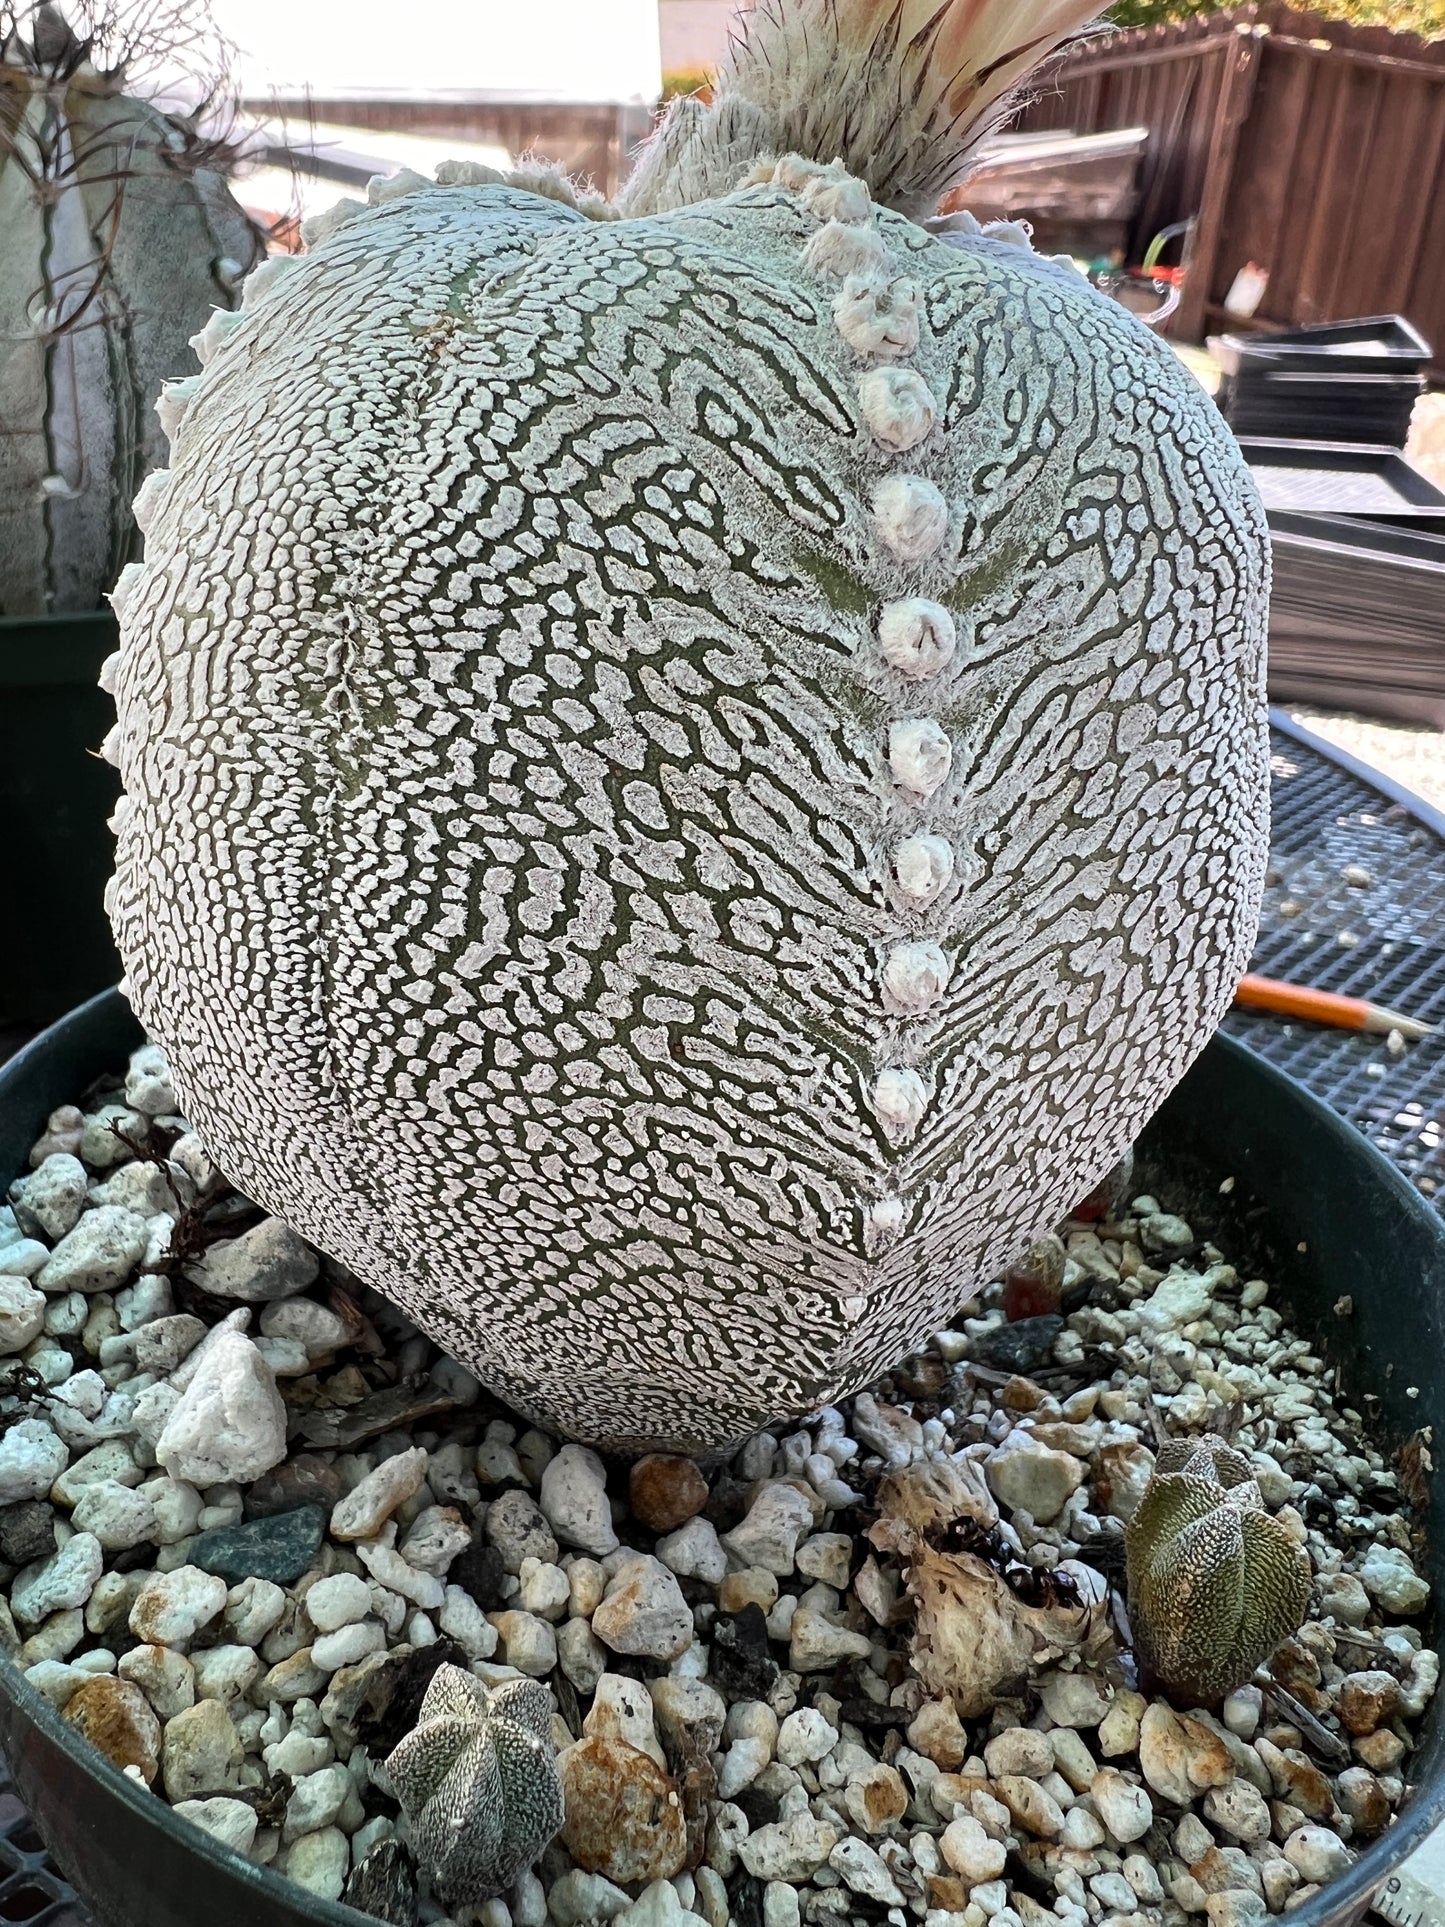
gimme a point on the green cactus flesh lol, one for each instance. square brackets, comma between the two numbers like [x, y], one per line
[1215, 1583]
[692, 779]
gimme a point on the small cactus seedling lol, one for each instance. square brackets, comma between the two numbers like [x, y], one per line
[477, 1779]
[1215, 1583]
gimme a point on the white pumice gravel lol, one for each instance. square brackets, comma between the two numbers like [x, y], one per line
[202, 1508]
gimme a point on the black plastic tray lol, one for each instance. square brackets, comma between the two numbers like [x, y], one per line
[1343, 478]
[1374, 345]
[1394, 540]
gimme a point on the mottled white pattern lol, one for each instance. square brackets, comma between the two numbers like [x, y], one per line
[526, 808]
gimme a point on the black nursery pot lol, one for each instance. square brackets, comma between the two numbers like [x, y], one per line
[56, 795]
[1314, 1207]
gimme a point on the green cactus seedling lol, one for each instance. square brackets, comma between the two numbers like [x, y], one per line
[1215, 1583]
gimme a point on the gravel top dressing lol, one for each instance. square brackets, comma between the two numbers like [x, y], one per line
[878, 1667]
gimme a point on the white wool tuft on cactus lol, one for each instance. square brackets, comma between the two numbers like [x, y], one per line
[697, 769]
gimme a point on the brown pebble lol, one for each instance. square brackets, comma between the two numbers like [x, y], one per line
[305, 1480]
[1363, 1798]
[665, 1491]
[116, 1718]
[1381, 1751]
[625, 1816]
[946, 1893]
[1367, 1700]
[750, 1587]
[1022, 1395]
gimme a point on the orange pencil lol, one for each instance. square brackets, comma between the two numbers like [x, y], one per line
[1324, 1007]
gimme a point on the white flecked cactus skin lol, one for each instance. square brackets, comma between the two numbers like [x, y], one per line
[691, 780]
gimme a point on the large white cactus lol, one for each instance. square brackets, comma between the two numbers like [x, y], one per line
[116, 241]
[693, 778]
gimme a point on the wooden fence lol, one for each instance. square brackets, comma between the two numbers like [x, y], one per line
[1315, 150]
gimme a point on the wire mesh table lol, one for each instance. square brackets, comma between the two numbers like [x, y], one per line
[1355, 903]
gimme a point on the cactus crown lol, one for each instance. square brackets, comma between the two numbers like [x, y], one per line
[477, 1779]
[1215, 1583]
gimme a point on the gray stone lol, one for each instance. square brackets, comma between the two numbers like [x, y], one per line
[27, 1532]
[644, 1612]
[232, 1822]
[57, 1584]
[265, 1263]
[32, 1458]
[230, 1424]
[22, 1312]
[279, 1548]
[50, 1199]
[574, 1501]
[99, 1254]
[1026, 1476]
[200, 1753]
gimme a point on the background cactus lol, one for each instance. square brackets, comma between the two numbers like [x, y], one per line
[1215, 1583]
[477, 1778]
[692, 778]
[117, 238]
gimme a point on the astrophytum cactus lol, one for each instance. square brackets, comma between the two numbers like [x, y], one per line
[1215, 1582]
[477, 1778]
[692, 778]
[117, 240]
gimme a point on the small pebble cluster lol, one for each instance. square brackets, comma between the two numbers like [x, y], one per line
[247, 1511]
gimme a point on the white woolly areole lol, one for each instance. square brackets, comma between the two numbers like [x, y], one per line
[877, 317]
[915, 975]
[923, 866]
[910, 516]
[148, 497]
[959, 222]
[842, 250]
[126, 584]
[382, 188]
[795, 171]
[110, 748]
[468, 174]
[900, 1097]
[116, 819]
[263, 280]
[217, 331]
[898, 406]
[845, 199]
[919, 754]
[916, 637]
[171, 404]
[1015, 234]
[316, 227]
[883, 1224]
[109, 670]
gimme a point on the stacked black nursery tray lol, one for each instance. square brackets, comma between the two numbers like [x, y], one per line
[1337, 381]
[1357, 610]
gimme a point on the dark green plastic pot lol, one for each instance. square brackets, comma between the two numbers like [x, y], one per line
[1314, 1207]
[56, 795]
